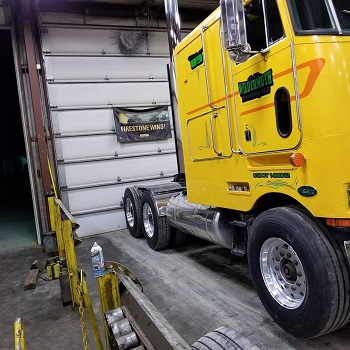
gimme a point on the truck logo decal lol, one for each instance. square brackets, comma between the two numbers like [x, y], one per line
[196, 59]
[307, 191]
[257, 85]
[271, 175]
[277, 181]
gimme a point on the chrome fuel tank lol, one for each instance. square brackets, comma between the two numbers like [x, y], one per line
[209, 223]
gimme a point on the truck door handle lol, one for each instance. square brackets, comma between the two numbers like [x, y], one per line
[248, 135]
[215, 115]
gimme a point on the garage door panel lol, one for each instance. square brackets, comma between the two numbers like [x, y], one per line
[84, 121]
[95, 198]
[85, 68]
[119, 94]
[72, 148]
[100, 41]
[108, 196]
[76, 121]
[126, 169]
[100, 222]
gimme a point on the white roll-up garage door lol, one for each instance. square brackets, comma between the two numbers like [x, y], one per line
[89, 71]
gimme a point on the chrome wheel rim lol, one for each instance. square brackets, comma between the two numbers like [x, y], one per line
[148, 220]
[283, 273]
[129, 212]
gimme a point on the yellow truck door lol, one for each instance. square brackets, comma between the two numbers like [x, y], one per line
[265, 89]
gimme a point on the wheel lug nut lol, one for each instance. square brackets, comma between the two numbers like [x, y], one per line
[277, 268]
[278, 258]
[299, 274]
[294, 288]
[298, 284]
[289, 255]
[295, 263]
[282, 254]
[301, 293]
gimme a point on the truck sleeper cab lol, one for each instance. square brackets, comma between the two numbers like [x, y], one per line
[263, 98]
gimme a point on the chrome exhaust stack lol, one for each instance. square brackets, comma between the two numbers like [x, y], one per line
[174, 37]
[173, 25]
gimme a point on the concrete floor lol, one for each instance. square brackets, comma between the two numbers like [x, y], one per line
[197, 287]
[46, 323]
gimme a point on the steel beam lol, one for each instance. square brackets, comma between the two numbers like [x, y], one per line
[35, 95]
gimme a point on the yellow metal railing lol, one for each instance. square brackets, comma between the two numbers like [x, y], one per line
[19, 335]
[63, 223]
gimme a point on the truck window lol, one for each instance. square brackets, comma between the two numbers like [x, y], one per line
[317, 16]
[342, 8]
[274, 23]
[311, 14]
[283, 112]
[259, 38]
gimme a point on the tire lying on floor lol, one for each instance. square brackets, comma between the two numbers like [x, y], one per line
[155, 228]
[300, 273]
[223, 338]
[132, 211]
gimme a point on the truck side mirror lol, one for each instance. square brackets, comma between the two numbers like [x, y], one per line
[234, 30]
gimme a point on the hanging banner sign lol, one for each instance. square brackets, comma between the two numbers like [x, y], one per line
[142, 125]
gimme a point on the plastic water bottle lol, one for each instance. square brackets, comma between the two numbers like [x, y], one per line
[97, 260]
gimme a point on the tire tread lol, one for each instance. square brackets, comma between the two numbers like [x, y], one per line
[341, 267]
[161, 236]
[223, 338]
[163, 233]
[177, 237]
[135, 197]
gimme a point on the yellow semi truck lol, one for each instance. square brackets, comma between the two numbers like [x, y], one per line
[263, 90]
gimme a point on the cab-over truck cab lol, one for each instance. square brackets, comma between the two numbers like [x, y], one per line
[264, 107]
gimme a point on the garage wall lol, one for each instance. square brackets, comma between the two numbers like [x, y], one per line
[89, 70]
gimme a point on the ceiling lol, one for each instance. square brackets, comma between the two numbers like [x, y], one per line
[190, 10]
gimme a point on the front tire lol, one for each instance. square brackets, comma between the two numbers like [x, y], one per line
[156, 228]
[300, 274]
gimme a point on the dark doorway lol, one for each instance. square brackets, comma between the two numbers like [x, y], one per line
[17, 224]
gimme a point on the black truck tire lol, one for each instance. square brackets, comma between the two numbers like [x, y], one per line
[223, 338]
[156, 228]
[300, 273]
[132, 211]
[338, 246]
[177, 237]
